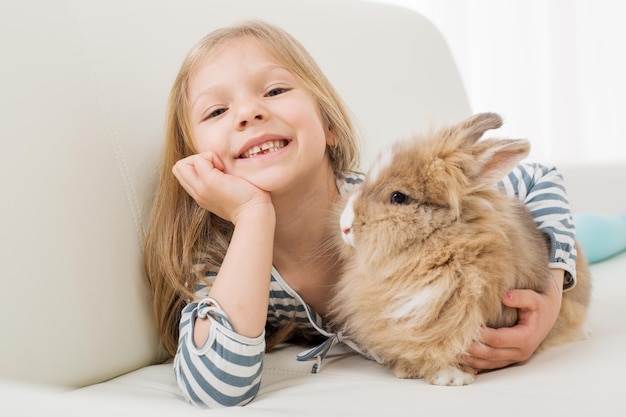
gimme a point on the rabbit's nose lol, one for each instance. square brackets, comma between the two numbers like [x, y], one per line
[347, 236]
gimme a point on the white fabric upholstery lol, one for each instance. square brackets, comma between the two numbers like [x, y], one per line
[83, 89]
[577, 379]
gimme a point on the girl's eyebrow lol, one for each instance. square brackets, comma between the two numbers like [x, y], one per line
[203, 93]
[263, 71]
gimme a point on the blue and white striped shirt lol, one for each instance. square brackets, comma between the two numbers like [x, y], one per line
[226, 370]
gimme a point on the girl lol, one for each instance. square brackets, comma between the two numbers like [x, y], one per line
[261, 148]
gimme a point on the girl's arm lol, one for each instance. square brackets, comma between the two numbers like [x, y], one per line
[242, 285]
[542, 191]
[243, 281]
[221, 345]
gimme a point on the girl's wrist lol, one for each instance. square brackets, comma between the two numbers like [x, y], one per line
[558, 277]
[256, 212]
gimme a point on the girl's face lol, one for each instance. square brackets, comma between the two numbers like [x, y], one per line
[256, 117]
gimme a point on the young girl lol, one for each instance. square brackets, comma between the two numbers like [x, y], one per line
[259, 148]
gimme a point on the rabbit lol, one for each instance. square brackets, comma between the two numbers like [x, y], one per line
[433, 245]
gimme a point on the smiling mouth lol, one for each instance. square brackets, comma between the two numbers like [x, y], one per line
[264, 148]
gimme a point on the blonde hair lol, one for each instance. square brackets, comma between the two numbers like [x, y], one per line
[180, 234]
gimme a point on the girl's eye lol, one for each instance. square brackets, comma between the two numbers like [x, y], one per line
[276, 91]
[399, 198]
[214, 113]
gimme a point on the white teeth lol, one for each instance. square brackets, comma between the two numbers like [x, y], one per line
[264, 148]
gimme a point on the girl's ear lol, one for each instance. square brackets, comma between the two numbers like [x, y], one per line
[331, 138]
[497, 157]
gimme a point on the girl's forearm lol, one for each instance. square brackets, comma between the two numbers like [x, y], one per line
[242, 284]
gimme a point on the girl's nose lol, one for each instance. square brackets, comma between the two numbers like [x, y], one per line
[245, 121]
[251, 111]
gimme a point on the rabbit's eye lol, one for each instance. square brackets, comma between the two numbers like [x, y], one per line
[398, 198]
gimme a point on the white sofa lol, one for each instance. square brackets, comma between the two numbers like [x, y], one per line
[83, 88]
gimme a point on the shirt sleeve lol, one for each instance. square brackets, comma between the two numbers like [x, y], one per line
[542, 190]
[226, 370]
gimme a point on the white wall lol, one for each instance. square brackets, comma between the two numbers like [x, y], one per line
[553, 68]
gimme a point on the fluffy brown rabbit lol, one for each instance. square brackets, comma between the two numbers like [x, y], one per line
[434, 245]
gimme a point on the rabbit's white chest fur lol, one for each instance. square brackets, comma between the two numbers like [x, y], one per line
[415, 306]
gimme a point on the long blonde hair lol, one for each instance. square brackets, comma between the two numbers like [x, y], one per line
[180, 234]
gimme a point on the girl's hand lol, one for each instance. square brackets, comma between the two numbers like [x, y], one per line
[537, 313]
[224, 195]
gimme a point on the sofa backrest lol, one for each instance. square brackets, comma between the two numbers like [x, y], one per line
[595, 188]
[83, 90]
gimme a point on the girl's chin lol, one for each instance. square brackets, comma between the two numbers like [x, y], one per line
[267, 182]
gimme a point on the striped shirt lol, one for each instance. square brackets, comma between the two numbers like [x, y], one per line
[226, 370]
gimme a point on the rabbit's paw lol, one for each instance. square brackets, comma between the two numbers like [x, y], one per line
[451, 376]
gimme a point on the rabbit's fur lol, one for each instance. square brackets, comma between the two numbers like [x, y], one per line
[434, 245]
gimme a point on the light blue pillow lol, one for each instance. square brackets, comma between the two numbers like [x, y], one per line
[601, 236]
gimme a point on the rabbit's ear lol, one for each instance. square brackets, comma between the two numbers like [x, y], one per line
[476, 126]
[497, 157]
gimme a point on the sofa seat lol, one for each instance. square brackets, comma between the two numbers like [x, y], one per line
[574, 379]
